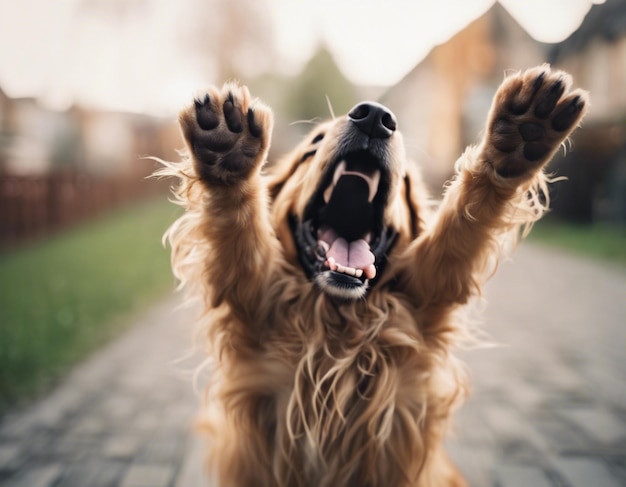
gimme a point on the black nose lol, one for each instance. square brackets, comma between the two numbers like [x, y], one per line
[373, 119]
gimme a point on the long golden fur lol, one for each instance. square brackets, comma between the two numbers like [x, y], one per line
[321, 383]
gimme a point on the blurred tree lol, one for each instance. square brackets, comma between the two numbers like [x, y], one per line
[225, 39]
[231, 39]
[321, 77]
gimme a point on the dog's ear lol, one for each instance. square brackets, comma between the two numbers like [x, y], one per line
[289, 164]
[415, 198]
[280, 173]
[282, 199]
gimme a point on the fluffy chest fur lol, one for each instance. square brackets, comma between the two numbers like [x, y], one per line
[328, 378]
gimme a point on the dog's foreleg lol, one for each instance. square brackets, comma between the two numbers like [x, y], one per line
[531, 116]
[228, 136]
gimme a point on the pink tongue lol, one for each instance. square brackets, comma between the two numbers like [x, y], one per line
[355, 254]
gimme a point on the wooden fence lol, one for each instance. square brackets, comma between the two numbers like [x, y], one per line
[34, 206]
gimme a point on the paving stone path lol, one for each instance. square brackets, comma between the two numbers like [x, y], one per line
[548, 407]
[122, 419]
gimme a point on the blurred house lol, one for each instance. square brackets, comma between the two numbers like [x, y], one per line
[116, 143]
[35, 140]
[4, 128]
[58, 168]
[443, 102]
[596, 56]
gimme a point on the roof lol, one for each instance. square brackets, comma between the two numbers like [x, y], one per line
[606, 22]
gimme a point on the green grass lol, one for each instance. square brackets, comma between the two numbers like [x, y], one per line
[599, 242]
[67, 295]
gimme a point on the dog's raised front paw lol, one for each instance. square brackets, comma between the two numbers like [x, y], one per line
[532, 114]
[227, 133]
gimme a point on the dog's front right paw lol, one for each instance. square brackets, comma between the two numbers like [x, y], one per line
[227, 134]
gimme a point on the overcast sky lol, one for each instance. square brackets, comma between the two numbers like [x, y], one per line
[138, 65]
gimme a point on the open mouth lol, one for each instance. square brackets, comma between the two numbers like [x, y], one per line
[342, 240]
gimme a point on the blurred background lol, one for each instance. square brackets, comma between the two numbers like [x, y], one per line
[90, 87]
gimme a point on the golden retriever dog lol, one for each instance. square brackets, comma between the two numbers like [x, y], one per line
[332, 287]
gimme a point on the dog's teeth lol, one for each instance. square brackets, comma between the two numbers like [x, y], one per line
[341, 169]
[373, 182]
[370, 271]
[328, 193]
[350, 271]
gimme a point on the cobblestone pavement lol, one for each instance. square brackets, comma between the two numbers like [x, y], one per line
[548, 407]
[122, 419]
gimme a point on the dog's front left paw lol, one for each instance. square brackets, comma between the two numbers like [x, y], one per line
[532, 114]
[227, 133]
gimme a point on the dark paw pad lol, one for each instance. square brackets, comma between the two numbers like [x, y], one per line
[505, 137]
[548, 99]
[232, 115]
[532, 114]
[532, 131]
[207, 118]
[568, 115]
[227, 134]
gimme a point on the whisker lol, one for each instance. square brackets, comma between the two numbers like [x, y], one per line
[313, 121]
[330, 107]
[409, 144]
